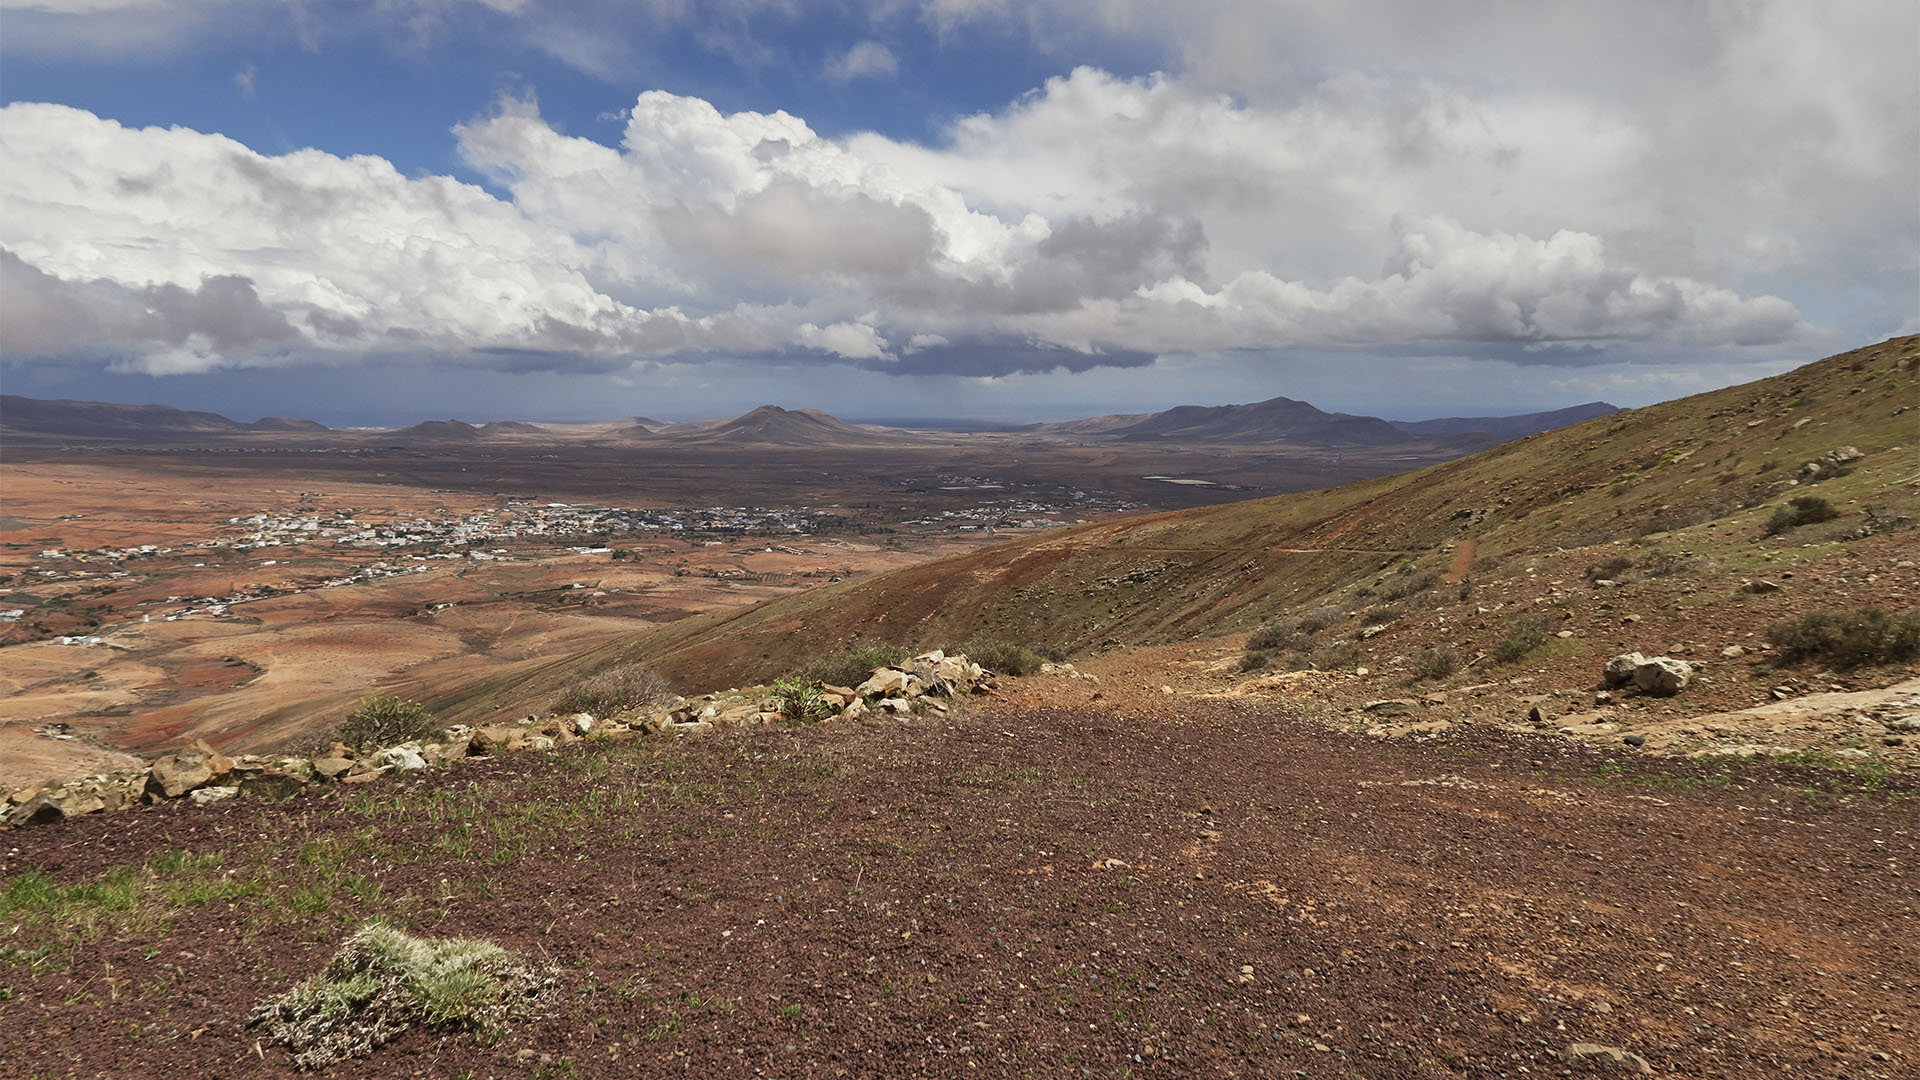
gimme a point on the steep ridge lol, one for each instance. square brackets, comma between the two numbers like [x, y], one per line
[1726, 454]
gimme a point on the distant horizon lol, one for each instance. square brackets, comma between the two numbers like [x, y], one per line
[925, 422]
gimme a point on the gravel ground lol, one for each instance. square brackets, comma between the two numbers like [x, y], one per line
[1169, 889]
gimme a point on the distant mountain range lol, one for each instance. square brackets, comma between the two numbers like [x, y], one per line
[1276, 420]
[1283, 419]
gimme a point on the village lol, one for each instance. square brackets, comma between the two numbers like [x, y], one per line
[517, 528]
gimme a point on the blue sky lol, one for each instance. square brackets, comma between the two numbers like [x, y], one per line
[576, 209]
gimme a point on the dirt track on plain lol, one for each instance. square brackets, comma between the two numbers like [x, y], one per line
[1165, 890]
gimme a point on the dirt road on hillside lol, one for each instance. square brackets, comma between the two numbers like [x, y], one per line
[1190, 891]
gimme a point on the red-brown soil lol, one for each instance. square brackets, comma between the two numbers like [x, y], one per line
[1167, 890]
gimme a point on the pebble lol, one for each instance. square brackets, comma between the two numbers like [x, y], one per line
[1635, 740]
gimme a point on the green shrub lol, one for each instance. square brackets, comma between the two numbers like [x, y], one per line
[1436, 662]
[1255, 660]
[801, 700]
[1801, 510]
[1003, 658]
[1847, 639]
[852, 666]
[385, 721]
[1524, 635]
[614, 690]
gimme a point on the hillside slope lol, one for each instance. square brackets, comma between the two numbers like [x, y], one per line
[1726, 457]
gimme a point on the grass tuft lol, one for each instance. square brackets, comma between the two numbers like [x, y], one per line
[383, 982]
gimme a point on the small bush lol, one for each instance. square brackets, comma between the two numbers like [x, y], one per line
[1343, 655]
[1848, 639]
[614, 690]
[1275, 636]
[801, 700]
[1294, 631]
[1003, 658]
[1403, 585]
[1801, 510]
[385, 721]
[1609, 568]
[1436, 662]
[1524, 635]
[852, 666]
[382, 982]
[1255, 660]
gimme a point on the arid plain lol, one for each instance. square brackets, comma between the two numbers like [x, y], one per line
[250, 588]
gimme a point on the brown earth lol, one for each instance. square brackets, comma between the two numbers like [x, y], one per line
[1163, 889]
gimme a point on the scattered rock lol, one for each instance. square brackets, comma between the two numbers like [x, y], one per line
[1635, 740]
[1390, 707]
[1759, 585]
[1731, 652]
[1830, 464]
[58, 804]
[1606, 1059]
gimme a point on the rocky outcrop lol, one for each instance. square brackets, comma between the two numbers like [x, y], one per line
[201, 775]
[1830, 464]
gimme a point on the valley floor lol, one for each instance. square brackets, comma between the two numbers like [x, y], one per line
[1156, 887]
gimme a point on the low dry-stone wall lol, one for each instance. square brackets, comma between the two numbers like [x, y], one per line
[201, 774]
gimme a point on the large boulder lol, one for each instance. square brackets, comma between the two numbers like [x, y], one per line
[1662, 676]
